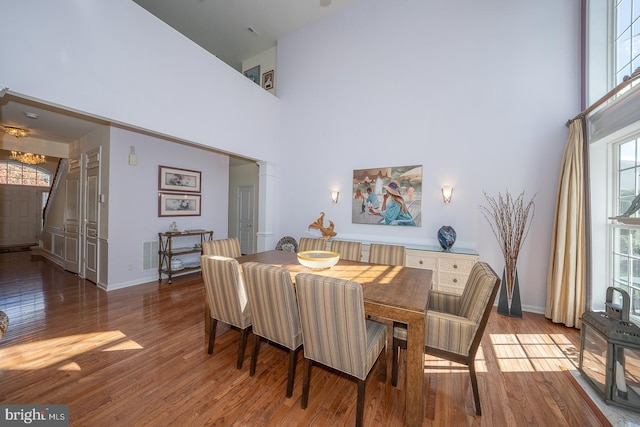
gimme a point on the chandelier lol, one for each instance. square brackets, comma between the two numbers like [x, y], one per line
[27, 158]
[17, 132]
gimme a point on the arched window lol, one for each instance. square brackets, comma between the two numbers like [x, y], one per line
[16, 173]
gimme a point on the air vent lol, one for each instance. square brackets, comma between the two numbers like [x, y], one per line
[150, 255]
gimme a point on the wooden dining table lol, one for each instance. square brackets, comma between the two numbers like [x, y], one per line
[391, 292]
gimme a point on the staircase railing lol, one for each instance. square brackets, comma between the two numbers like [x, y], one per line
[63, 164]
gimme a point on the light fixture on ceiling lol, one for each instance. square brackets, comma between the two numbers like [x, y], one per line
[17, 132]
[27, 158]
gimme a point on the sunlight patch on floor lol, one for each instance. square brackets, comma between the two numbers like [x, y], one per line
[533, 352]
[71, 366]
[517, 353]
[60, 350]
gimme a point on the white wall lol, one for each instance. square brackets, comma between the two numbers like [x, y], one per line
[476, 92]
[114, 60]
[133, 199]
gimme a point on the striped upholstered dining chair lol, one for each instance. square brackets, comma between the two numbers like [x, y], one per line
[227, 298]
[351, 251]
[454, 324]
[310, 244]
[336, 333]
[386, 254]
[274, 310]
[229, 248]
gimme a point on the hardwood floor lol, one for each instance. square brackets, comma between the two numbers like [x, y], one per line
[137, 356]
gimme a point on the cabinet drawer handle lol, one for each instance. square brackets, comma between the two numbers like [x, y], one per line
[420, 262]
[455, 265]
[455, 280]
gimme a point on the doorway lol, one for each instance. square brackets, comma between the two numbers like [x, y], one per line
[243, 203]
[245, 218]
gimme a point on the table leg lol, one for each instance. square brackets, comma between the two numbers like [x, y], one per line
[415, 372]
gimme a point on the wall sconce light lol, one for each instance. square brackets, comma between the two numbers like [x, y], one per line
[334, 196]
[447, 190]
[133, 159]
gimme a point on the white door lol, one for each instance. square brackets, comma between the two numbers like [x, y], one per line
[245, 218]
[72, 218]
[92, 216]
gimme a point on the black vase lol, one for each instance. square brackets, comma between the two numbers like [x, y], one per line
[513, 308]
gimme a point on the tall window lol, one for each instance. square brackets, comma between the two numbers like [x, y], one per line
[16, 173]
[626, 38]
[626, 235]
[614, 141]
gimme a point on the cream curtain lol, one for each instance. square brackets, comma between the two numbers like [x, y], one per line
[566, 279]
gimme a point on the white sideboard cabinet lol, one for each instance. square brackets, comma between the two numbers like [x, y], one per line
[450, 269]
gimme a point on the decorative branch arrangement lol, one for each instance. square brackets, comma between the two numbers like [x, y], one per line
[510, 220]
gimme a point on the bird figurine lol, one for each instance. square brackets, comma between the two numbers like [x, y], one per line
[318, 224]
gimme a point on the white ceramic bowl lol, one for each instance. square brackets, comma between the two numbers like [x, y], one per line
[318, 259]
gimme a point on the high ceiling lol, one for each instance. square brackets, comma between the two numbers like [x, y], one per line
[219, 26]
[235, 30]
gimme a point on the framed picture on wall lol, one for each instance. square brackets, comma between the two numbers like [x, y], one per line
[176, 204]
[174, 179]
[267, 80]
[387, 196]
[253, 74]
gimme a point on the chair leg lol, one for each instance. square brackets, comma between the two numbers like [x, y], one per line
[293, 357]
[394, 362]
[243, 344]
[383, 365]
[213, 323]
[254, 355]
[360, 404]
[306, 377]
[474, 386]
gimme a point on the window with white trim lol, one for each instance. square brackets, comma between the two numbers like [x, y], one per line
[624, 158]
[626, 38]
[614, 137]
[626, 234]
